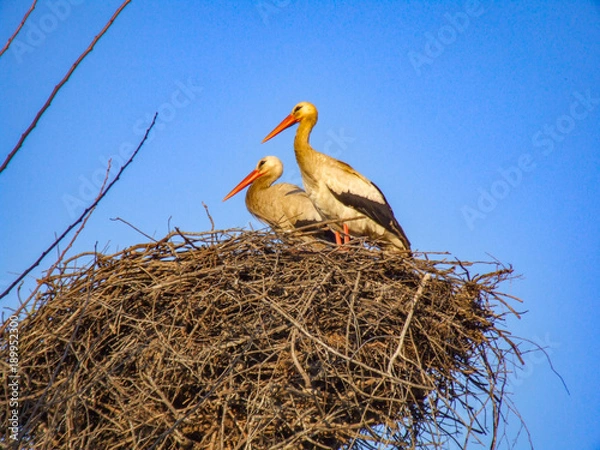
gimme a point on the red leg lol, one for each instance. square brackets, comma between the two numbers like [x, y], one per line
[338, 239]
[346, 234]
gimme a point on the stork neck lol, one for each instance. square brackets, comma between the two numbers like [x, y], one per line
[301, 141]
[264, 182]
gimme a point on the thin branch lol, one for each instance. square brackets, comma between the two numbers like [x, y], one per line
[83, 215]
[212, 222]
[59, 86]
[415, 299]
[147, 236]
[12, 38]
[301, 371]
[543, 350]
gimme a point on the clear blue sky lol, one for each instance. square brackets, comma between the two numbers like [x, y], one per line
[479, 121]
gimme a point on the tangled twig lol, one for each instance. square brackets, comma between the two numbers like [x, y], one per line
[235, 339]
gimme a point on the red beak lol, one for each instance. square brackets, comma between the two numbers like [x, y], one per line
[245, 182]
[286, 123]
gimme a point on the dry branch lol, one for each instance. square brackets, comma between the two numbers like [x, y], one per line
[233, 339]
[57, 88]
[14, 35]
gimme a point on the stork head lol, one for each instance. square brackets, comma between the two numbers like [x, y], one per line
[303, 111]
[268, 168]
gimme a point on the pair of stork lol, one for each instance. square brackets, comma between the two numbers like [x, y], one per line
[334, 192]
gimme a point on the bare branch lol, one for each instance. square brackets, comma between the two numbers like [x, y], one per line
[12, 38]
[212, 222]
[415, 299]
[59, 86]
[147, 236]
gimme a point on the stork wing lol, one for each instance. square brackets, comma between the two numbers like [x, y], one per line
[357, 192]
[299, 211]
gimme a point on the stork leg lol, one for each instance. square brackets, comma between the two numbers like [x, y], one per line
[346, 234]
[338, 238]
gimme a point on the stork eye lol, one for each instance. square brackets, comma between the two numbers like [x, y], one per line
[261, 163]
[297, 108]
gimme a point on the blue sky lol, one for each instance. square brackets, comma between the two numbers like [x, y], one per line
[479, 121]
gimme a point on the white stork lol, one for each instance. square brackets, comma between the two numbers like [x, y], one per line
[282, 206]
[337, 190]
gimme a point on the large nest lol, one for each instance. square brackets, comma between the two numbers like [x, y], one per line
[232, 340]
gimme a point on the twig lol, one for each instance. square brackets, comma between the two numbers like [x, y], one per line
[415, 299]
[212, 222]
[14, 35]
[305, 377]
[147, 236]
[59, 86]
[543, 350]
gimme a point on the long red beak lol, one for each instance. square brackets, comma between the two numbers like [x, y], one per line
[286, 123]
[245, 182]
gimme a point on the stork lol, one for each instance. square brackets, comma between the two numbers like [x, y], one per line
[338, 191]
[282, 206]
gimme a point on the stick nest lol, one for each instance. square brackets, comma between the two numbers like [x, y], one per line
[247, 340]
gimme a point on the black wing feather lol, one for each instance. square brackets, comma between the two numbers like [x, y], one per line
[379, 212]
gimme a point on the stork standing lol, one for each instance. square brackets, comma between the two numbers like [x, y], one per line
[337, 190]
[282, 206]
